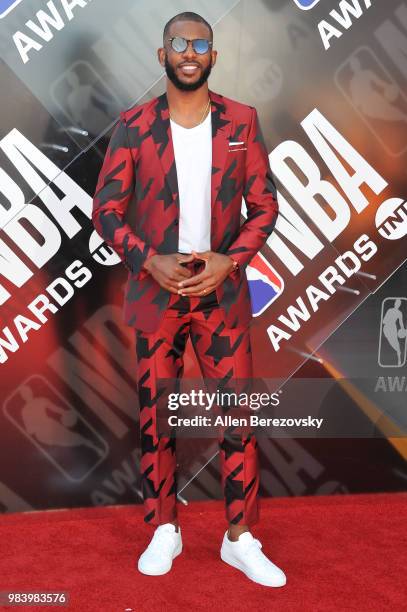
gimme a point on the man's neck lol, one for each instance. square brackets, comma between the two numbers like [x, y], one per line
[188, 105]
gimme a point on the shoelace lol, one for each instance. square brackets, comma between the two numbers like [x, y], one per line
[161, 538]
[253, 551]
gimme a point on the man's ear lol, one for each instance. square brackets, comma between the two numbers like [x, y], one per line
[161, 56]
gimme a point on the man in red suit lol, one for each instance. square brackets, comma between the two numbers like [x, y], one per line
[179, 165]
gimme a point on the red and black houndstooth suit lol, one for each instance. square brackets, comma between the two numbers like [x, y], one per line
[136, 211]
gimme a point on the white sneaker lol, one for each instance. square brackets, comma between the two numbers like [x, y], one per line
[165, 545]
[245, 555]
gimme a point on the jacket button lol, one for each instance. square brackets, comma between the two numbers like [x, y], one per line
[176, 222]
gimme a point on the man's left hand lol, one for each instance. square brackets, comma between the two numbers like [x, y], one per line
[217, 268]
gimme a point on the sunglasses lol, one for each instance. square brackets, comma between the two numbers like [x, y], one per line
[199, 45]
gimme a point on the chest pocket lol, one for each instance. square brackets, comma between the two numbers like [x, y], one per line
[236, 157]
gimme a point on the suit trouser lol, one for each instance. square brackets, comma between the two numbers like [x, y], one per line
[222, 353]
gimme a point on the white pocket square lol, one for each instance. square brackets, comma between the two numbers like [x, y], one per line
[235, 142]
[233, 149]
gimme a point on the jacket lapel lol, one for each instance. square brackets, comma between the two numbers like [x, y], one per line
[159, 121]
[221, 129]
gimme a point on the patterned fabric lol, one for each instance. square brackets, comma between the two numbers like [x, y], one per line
[223, 353]
[136, 202]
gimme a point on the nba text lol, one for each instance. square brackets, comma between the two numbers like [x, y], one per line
[42, 28]
[341, 19]
[391, 384]
[39, 310]
[336, 274]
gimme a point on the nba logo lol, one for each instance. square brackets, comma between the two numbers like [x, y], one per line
[265, 285]
[6, 6]
[305, 5]
[55, 428]
[393, 333]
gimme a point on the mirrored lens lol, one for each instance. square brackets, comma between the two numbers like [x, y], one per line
[200, 45]
[179, 44]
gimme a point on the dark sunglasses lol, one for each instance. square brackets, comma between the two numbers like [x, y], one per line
[199, 45]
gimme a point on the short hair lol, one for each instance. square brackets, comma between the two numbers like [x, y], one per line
[186, 16]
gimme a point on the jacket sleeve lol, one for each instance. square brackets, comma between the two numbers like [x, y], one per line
[114, 191]
[260, 195]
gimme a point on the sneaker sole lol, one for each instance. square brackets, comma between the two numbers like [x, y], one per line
[237, 565]
[177, 552]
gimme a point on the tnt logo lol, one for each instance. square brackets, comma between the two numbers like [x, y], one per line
[6, 6]
[391, 219]
[265, 284]
[305, 5]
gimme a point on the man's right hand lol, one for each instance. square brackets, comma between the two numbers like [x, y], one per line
[167, 271]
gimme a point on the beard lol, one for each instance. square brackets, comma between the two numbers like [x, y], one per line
[186, 86]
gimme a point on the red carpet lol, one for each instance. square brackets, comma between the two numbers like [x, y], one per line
[339, 553]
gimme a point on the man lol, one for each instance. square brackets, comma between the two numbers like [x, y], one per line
[182, 163]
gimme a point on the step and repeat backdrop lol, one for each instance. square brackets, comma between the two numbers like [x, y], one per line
[329, 290]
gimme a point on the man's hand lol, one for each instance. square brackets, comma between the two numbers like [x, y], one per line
[167, 271]
[217, 268]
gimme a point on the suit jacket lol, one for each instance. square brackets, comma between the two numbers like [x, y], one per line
[136, 202]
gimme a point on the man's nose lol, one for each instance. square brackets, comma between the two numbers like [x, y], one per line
[189, 51]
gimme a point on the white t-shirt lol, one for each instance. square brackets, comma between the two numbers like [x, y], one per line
[193, 160]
